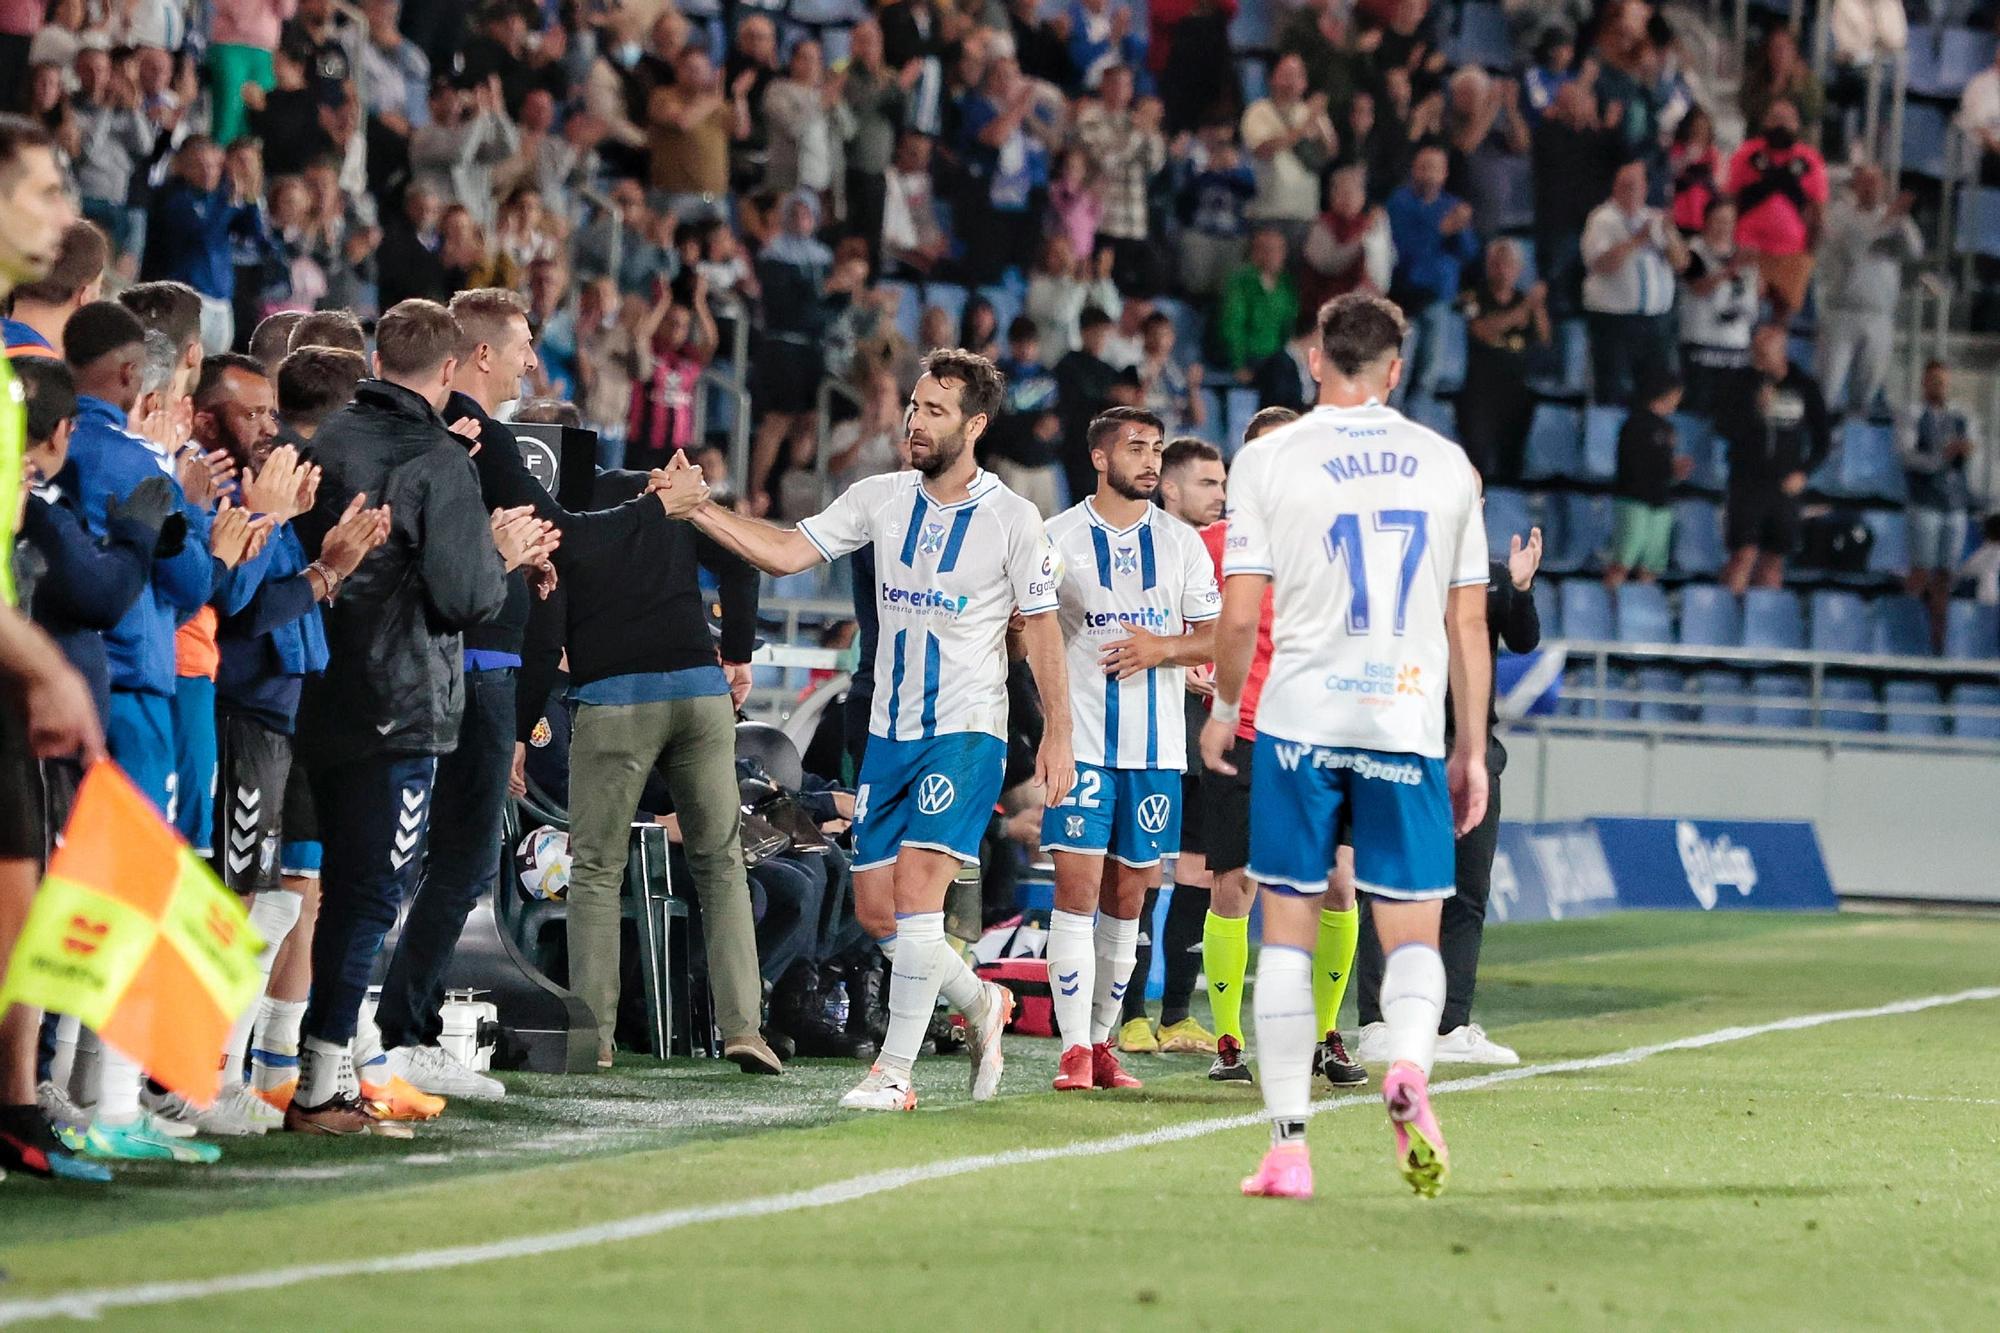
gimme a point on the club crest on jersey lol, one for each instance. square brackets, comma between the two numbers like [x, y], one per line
[1124, 560]
[931, 540]
[1153, 812]
[935, 794]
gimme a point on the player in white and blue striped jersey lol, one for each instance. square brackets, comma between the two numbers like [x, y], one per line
[1138, 599]
[957, 554]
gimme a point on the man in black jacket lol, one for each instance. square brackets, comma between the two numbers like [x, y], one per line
[651, 689]
[462, 859]
[371, 728]
[1775, 420]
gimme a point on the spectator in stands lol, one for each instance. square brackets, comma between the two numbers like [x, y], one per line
[1349, 247]
[808, 128]
[1777, 74]
[1434, 241]
[1103, 37]
[243, 36]
[911, 240]
[555, 164]
[1061, 287]
[1289, 139]
[1213, 203]
[623, 77]
[1489, 145]
[1778, 431]
[1022, 447]
[396, 79]
[1126, 346]
[613, 333]
[469, 135]
[1780, 188]
[1718, 300]
[1003, 143]
[1125, 141]
[1285, 379]
[1167, 389]
[750, 69]
[115, 141]
[1555, 52]
[876, 98]
[1193, 63]
[1862, 253]
[1934, 443]
[286, 119]
[1086, 384]
[1260, 305]
[668, 378]
[1978, 119]
[1076, 199]
[1697, 166]
[34, 326]
[1502, 322]
[195, 221]
[868, 444]
[802, 286]
[1649, 464]
[1318, 32]
[1631, 253]
[411, 259]
[693, 124]
[1576, 158]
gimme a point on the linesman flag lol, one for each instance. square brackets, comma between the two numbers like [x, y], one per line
[135, 935]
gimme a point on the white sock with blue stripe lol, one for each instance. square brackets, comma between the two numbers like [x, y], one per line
[1072, 974]
[1117, 951]
[1287, 1027]
[1412, 1002]
[913, 988]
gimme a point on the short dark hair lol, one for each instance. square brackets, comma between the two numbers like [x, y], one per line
[1934, 364]
[1184, 450]
[483, 314]
[80, 258]
[329, 328]
[313, 382]
[1093, 316]
[174, 308]
[549, 412]
[1357, 330]
[273, 337]
[1106, 423]
[1022, 328]
[981, 386]
[18, 134]
[209, 383]
[1267, 420]
[416, 337]
[97, 330]
[48, 391]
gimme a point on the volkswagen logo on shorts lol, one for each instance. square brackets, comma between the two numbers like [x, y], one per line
[934, 794]
[1153, 812]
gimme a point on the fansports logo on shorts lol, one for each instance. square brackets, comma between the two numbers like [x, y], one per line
[1153, 813]
[935, 794]
[1290, 755]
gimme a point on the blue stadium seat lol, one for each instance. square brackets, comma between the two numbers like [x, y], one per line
[1255, 27]
[1563, 371]
[1962, 53]
[1427, 410]
[1254, 75]
[1839, 623]
[1445, 372]
[1006, 303]
[1698, 440]
[838, 45]
[1976, 696]
[1698, 544]
[1979, 221]
[1188, 332]
[1865, 453]
[1643, 616]
[1481, 38]
[1890, 555]
[1548, 603]
[1780, 701]
[1579, 679]
[950, 298]
[1583, 535]
[1238, 408]
[1712, 691]
[1516, 209]
[1900, 695]
[1771, 619]
[1926, 128]
[1852, 690]
[1972, 631]
[909, 307]
[1660, 681]
[1586, 611]
[1507, 515]
[1710, 617]
[1600, 440]
[1902, 627]
[1555, 443]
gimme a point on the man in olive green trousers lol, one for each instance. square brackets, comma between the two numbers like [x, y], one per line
[613, 749]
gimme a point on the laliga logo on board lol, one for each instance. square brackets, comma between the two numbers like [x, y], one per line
[84, 935]
[1710, 864]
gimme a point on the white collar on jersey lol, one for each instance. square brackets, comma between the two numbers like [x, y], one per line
[1097, 519]
[982, 482]
[1372, 405]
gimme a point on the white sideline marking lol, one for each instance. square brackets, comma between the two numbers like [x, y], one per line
[91, 1304]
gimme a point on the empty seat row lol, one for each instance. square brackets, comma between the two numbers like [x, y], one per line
[1719, 697]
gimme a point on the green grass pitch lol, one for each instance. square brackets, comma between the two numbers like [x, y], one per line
[1841, 1176]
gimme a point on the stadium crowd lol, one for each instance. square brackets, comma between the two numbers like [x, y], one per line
[324, 258]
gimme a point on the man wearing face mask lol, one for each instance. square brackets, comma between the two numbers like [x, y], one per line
[1780, 189]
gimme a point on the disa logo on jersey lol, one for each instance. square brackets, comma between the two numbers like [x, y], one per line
[924, 601]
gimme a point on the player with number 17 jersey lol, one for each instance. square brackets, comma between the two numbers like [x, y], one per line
[1364, 521]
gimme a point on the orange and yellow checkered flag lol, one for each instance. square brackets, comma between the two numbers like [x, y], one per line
[133, 933]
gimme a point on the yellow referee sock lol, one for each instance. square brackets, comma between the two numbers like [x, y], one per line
[1333, 959]
[1225, 957]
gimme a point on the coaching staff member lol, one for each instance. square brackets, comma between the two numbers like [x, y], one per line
[371, 728]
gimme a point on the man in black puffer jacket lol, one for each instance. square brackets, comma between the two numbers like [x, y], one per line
[371, 728]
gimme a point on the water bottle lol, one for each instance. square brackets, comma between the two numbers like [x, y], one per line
[836, 1006]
